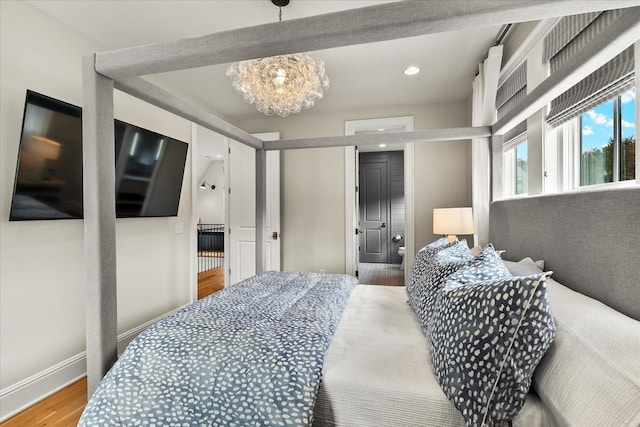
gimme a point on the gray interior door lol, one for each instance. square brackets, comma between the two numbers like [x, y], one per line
[374, 237]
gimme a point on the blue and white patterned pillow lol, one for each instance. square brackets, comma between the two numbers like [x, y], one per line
[418, 269]
[486, 341]
[436, 244]
[487, 265]
[437, 270]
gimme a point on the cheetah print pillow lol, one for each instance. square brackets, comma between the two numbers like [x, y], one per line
[418, 269]
[487, 339]
[437, 270]
[485, 266]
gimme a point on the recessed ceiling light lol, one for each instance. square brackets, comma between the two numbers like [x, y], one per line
[219, 156]
[382, 145]
[411, 71]
[381, 130]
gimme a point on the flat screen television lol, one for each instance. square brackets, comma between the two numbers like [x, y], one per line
[149, 167]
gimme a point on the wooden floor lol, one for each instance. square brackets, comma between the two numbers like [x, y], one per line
[210, 281]
[65, 407]
[60, 409]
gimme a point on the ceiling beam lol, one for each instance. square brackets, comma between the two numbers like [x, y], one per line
[356, 26]
[429, 135]
[159, 97]
[612, 40]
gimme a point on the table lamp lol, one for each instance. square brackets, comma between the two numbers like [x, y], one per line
[452, 221]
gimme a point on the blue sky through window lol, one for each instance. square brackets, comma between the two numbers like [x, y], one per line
[597, 124]
[628, 113]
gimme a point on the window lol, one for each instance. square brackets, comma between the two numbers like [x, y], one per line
[521, 168]
[607, 141]
[627, 107]
[515, 170]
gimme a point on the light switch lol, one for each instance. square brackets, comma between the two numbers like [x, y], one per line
[179, 227]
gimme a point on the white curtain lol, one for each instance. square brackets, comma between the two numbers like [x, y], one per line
[483, 114]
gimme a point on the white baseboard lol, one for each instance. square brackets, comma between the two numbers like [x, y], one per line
[20, 396]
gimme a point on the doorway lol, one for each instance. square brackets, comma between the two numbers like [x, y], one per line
[209, 171]
[381, 218]
[352, 203]
[224, 170]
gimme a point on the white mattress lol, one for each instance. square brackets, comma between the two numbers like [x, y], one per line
[377, 372]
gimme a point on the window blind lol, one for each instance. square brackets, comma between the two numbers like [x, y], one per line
[570, 35]
[607, 82]
[510, 93]
[512, 90]
[515, 136]
[565, 32]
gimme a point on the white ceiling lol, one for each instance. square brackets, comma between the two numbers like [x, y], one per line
[363, 76]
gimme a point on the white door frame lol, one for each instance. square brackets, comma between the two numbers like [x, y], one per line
[351, 127]
[193, 231]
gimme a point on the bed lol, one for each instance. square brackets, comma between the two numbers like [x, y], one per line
[370, 365]
[104, 71]
[378, 372]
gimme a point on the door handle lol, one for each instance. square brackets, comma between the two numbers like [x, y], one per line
[384, 225]
[275, 235]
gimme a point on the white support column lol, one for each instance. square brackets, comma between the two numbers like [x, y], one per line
[481, 185]
[98, 153]
[535, 154]
[536, 73]
[261, 209]
[485, 87]
[496, 168]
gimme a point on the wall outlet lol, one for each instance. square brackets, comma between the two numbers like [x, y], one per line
[179, 227]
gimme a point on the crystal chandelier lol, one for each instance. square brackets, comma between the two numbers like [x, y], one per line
[281, 84]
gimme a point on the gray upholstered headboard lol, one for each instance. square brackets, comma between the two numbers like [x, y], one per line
[590, 239]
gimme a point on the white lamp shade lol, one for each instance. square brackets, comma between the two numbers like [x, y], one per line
[453, 221]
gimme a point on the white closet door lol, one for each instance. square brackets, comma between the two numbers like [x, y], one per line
[242, 208]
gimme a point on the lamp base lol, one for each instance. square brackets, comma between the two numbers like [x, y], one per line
[452, 238]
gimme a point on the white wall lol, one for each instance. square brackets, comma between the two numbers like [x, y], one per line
[209, 152]
[313, 211]
[41, 262]
[517, 36]
[210, 203]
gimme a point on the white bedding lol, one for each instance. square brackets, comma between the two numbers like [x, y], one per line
[377, 371]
